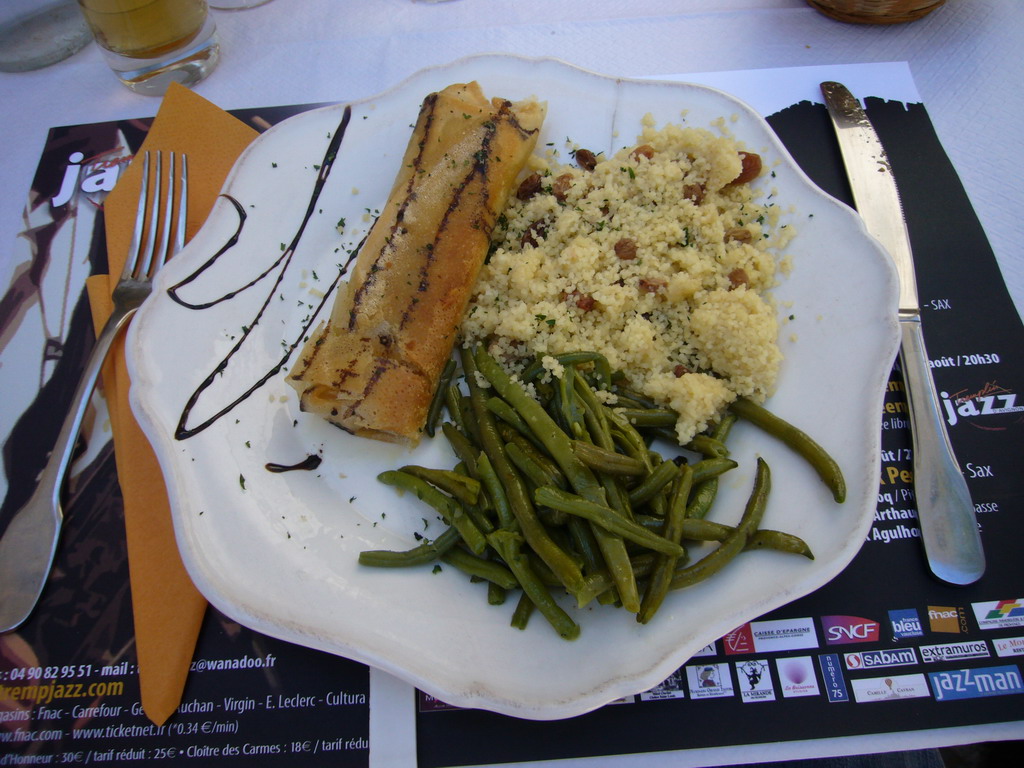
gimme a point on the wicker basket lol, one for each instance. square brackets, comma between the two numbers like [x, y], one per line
[876, 11]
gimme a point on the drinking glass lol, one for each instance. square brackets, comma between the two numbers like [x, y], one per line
[36, 34]
[151, 43]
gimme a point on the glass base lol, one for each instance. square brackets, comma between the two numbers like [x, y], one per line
[186, 66]
[42, 36]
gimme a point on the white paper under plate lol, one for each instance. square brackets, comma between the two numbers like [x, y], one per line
[278, 552]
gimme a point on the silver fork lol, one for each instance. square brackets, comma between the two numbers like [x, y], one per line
[30, 541]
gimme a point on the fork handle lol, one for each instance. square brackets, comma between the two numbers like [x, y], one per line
[60, 457]
[30, 539]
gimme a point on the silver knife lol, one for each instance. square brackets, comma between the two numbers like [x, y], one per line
[945, 511]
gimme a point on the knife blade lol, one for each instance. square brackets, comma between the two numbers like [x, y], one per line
[949, 529]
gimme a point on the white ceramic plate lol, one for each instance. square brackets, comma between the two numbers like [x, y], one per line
[277, 552]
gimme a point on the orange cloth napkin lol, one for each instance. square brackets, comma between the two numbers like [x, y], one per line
[167, 607]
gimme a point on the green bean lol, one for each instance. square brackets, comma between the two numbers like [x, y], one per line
[490, 570]
[533, 471]
[521, 615]
[616, 557]
[701, 498]
[626, 401]
[612, 547]
[495, 594]
[705, 490]
[449, 509]
[610, 462]
[723, 427]
[819, 459]
[781, 542]
[508, 416]
[584, 542]
[650, 417]
[467, 454]
[426, 552]
[537, 455]
[642, 401]
[650, 522]
[625, 433]
[519, 500]
[763, 538]
[533, 371]
[462, 446]
[478, 513]
[469, 419]
[601, 367]
[599, 584]
[557, 443]
[737, 540]
[508, 545]
[453, 402]
[593, 416]
[553, 520]
[708, 468]
[708, 446]
[633, 444]
[518, 460]
[706, 530]
[437, 401]
[572, 415]
[463, 488]
[662, 475]
[496, 492]
[602, 444]
[606, 518]
[665, 565]
[545, 574]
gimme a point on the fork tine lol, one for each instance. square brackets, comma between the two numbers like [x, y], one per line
[154, 206]
[140, 221]
[179, 233]
[160, 255]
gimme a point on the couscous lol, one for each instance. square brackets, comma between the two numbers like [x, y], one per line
[658, 257]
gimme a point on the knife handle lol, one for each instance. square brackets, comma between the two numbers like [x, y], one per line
[949, 528]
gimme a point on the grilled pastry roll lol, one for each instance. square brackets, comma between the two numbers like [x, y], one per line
[372, 368]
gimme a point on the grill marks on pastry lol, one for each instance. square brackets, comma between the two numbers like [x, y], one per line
[427, 115]
[393, 326]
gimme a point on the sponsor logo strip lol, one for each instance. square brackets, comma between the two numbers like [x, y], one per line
[1009, 646]
[905, 623]
[969, 649]
[947, 619]
[849, 629]
[672, 687]
[890, 688]
[832, 677]
[771, 636]
[709, 681]
[999, 614]
[754, 680]
[900, 657]
[976, 683]
[796, 677]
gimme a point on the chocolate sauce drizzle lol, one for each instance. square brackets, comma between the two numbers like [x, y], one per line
[308, 464]
[281, 263]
